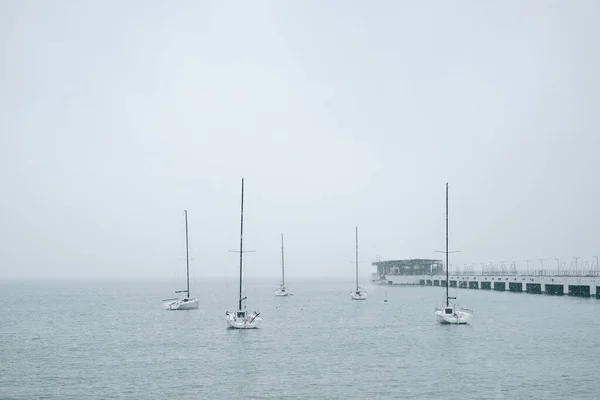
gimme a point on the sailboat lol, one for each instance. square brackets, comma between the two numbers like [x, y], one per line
[242, 319]
[358, 294]
[451, 313]
[186, 303]
[282, 290]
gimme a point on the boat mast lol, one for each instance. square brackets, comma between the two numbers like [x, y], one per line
[187, 255]
[282, 264]
[241, 243]
[447, 298]
[356, 261]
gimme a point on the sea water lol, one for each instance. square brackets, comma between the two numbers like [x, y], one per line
[113, 340]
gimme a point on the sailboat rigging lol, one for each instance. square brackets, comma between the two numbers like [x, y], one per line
[451, 313]
[358, 294]
[186, 303]
[242, 319]
[282, 290]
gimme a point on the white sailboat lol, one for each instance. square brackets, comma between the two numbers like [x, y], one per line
[242, 319]
[451, 313]
[186, 303]
[282, 290]
[358, 294]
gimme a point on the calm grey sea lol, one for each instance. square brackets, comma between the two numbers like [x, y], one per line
[111, 340]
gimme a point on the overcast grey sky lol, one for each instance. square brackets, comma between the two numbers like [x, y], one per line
[115, 116]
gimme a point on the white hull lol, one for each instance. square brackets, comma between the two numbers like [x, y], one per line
[183, 304]
[283, 291]
[453, 315]
[243, 320]
[358, 295]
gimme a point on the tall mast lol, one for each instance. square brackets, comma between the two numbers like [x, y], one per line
[356, 261]
[187, 255]
[447, 299]
[241, 243]
[282, 264]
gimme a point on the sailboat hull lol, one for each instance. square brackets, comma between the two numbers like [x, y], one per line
[358, 296]
[183, 304]
[249, 321]
[458, 316]
[282, 291]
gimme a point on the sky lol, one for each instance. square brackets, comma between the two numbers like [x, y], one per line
[117, 116]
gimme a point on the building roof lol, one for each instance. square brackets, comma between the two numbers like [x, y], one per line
[407, 261]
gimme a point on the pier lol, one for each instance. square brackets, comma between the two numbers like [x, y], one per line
[562, 282]
[580, 286]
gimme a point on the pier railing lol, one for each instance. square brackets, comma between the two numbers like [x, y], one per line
[532, 272]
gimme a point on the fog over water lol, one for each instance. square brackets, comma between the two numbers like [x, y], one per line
[115, 117]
